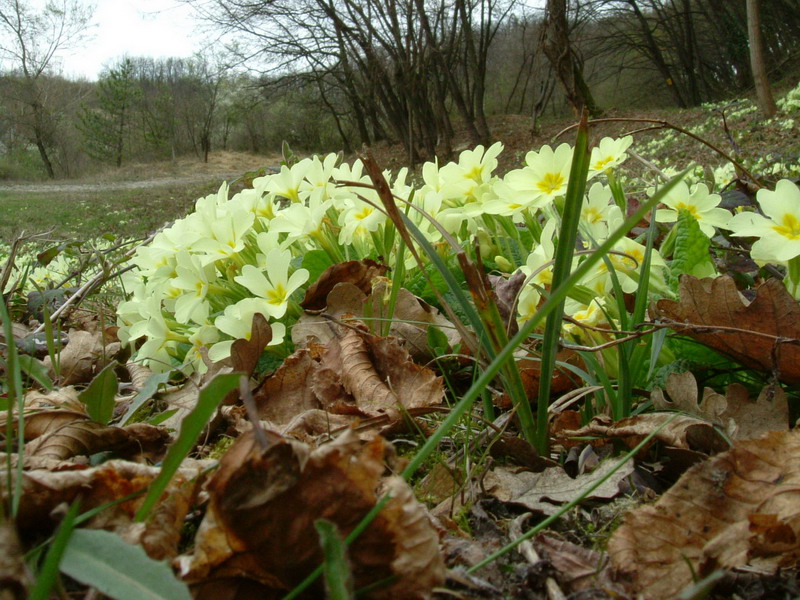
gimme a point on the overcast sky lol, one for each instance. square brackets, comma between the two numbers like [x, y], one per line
[157, 28]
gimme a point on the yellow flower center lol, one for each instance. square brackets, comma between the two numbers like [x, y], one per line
[475, 173]
[550, 183]
[277, 295]
[592, 215]
[688, 207]
[601, 164]
[790, 227]
[364, 213]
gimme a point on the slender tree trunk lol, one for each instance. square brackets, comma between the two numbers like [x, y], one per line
[766, 103]
[555, 43]
[38, 133]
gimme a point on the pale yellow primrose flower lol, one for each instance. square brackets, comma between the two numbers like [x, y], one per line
[699, 202]
[237, 322]
[277, 286]
[609, 154]
[779, 230]
[543, 178]
[597, 212]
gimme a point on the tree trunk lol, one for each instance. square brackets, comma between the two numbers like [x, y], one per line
[766, 103]
[38, 133]
[555, 43]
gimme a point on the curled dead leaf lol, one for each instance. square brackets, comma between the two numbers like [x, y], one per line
[763, 334]
[259, 530]
[359, 273]
[86, 437]
[544, 492]
[370, 375]
[741, 507]
[78, 360]
[741, 417]
[683, 431]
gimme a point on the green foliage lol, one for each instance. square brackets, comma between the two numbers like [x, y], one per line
[104, 561]
[691, 254]
[106, 126]
[99, 395]
[338, 578]
[211, 395]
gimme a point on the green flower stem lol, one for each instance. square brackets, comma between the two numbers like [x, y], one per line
[576, 188]
[533, 225]
[792, 280]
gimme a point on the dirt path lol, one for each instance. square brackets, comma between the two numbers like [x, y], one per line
[66, 187]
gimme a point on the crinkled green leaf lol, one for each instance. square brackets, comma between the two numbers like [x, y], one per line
[691, 254]
[104, 561]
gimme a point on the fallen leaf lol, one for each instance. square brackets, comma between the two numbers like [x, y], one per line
[741, 417]
[706, 304]
[246, 352]
[409, 322]
[264, 501]
[682, 432]
[84, 438]
[369, 375]
[78, 359]
[15, 578]
[577, 568]
[287, 392]
[506, 293]
[544, 492]
[739, 508]
[65, 397]
[359, 273]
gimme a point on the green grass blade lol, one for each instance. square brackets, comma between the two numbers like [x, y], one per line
[572, 503]
[14, 382]
[48, 574]
[104, 561]
[338, 579]
[210, 397]
[148, 390]
[568, 235]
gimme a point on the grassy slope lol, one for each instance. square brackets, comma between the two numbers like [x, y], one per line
[84, 214]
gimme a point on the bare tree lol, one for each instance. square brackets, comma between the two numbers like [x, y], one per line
[766, 103]
[556, 45]
[30, 39]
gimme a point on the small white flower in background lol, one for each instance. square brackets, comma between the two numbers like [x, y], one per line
[699, 202]
[608, 154]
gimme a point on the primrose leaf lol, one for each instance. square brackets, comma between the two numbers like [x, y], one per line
[99, 396]
[691, 255]
[104, 561]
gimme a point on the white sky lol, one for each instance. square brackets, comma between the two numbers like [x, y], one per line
[155, 28]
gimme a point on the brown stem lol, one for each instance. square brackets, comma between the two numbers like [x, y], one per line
[661, 124]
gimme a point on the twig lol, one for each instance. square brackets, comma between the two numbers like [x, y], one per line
[662, 124]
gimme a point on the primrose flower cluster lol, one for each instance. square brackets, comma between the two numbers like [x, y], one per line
[198, 284]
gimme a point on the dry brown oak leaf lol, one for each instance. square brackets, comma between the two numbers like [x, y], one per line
[760, 331]
[258, 536]
[739, 508]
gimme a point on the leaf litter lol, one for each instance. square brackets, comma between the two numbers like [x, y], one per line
[239, 519]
